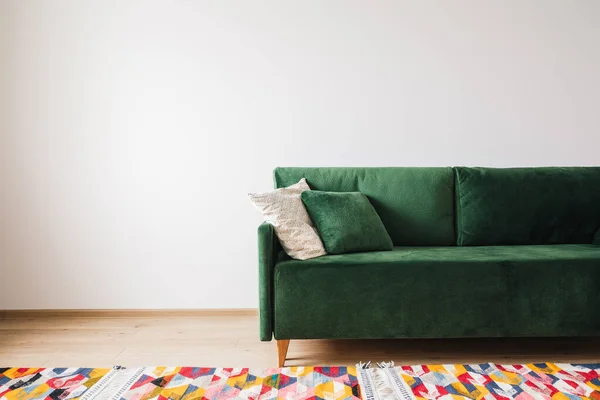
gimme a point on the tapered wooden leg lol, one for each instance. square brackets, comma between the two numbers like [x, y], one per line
[282, 348]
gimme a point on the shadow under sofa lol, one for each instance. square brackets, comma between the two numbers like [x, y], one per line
[479, 252]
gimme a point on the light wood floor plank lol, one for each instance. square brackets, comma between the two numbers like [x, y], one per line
[232, 340]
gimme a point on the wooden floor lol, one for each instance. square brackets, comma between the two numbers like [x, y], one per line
[232, 340]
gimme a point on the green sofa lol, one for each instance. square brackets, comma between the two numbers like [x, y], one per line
[479, 252]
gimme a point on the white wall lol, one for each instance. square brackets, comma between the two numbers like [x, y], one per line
[131, 131]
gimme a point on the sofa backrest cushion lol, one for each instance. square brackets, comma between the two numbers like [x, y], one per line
[520, 206]
[416, 205]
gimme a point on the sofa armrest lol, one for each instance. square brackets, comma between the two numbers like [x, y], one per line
[268, 249]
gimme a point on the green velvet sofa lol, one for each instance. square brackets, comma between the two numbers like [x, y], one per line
[479, 252]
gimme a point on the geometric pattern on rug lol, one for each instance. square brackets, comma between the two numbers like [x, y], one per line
[544, 381]
[245, 383]
[494, 381]
[48, 383]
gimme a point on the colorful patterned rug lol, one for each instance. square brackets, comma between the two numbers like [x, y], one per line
[383, 382]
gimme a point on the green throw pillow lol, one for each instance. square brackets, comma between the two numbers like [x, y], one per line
[346, 222]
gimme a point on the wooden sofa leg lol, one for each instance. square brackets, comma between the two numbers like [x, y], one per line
[282, 348]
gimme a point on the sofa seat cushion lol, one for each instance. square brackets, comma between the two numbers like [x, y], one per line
[426, 292]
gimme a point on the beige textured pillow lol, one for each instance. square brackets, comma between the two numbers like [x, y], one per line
[283, 208]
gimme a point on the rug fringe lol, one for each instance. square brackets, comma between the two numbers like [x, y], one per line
[362, 365]
[383, 364]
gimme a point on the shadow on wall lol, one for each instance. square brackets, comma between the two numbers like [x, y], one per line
[34, 256]
[30, 273]
[14, 245]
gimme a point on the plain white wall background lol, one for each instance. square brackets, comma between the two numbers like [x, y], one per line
[131, 131]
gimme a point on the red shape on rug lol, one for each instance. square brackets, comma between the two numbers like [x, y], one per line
[61, 383]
